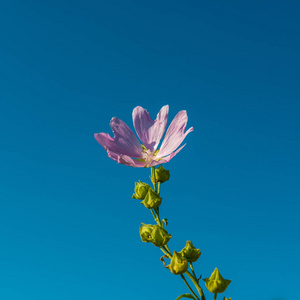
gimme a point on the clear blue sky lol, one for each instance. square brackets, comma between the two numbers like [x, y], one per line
[68, 225]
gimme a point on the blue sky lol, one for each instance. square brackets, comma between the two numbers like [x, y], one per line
[69, 228]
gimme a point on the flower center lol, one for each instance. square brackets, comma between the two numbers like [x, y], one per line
[148, 156]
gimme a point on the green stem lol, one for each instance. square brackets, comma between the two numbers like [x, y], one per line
[215, 297]
[167, 247]
[192, 268]
[163, 250]
[153, 178]
[154, 216]
[189, 287]
[168, 254]
[158, 218]
[168, 250]
[158, 189]
[195, 282]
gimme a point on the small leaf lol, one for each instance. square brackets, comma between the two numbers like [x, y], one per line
[165, 221]
[186, 296]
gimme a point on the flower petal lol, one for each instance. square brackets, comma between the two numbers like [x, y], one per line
[175, 134]
[126, 160]
[150, 132]
[123, 143]
[165, 159]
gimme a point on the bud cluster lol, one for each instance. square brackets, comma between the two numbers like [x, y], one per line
[179, 261]
[144, 192]
[155, 234]
[159, 236]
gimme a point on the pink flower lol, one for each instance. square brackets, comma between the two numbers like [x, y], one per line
[126, 149]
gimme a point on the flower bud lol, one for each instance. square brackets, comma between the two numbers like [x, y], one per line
[152, 200]
[159, 236]
[190, 253]
[161, 174]
[141, 189]
[178, 265]
[145, 232]
[227, 298]
[216, 283]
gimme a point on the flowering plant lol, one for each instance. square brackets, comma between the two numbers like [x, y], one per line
[125, 148]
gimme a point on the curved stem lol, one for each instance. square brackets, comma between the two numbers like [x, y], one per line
[195, 282]
[189, 287]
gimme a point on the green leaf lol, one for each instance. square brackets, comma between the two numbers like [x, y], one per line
[186, 296]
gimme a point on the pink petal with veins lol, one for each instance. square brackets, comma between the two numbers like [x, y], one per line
[123, 143]
[126, 160]
[174, 135]
[150, 132]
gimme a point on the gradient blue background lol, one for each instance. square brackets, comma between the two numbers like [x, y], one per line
[68, 227]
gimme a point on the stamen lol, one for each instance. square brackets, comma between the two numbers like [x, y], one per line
[148, 155]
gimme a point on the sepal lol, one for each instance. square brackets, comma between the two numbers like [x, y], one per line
[145, 232]
[190, 252]
[161, 174]
[152, 200]
[216, 283]
[178, 264]
[141, 189]
[159, 236]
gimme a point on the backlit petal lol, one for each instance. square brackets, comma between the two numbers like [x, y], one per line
[175, 134]
[123, 143]
[126, 160]
[150, 132]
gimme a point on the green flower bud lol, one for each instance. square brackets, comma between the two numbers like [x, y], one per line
[145, 232]
[216, 283]
[190, 253]
[159, 236]
[227, 298]
[178, 265]
[152, 200]
[141, 189]
[161, 174]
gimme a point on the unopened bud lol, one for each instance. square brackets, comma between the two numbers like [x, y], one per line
[161, 174]
[159, 236]
[152, 200]
[141, 189]
[216, 283]
[145, 232]
[190, 253]
[178, 264]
